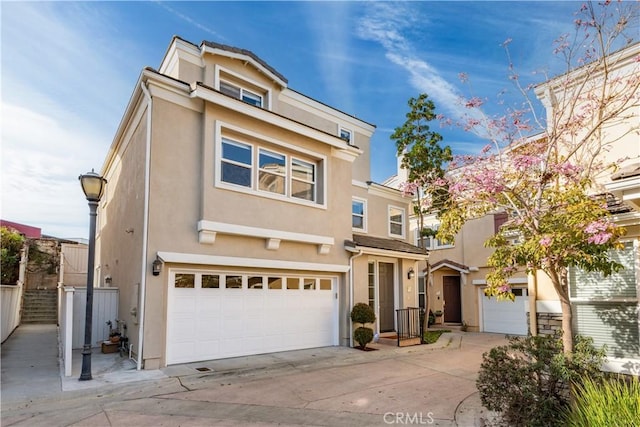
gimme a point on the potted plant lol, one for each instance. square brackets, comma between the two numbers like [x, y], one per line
[114, 335]
[363, 313]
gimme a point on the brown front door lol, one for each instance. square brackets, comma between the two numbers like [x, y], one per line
[451, 293]
[386, 297]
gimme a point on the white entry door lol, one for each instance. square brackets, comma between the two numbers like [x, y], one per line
[214, 315]
[505, 316]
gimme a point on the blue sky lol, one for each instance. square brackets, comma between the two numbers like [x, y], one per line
[69, 68]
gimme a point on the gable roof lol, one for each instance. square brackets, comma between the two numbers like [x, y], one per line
[246, 53]
[447, 263]
[384, 244]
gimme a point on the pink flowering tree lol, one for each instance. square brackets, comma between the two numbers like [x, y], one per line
[544, 169]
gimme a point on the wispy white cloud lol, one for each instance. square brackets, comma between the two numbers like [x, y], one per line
[332, 46]
[53, 73]
[188, 19]
[386, 24]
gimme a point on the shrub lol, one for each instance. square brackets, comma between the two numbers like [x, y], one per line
[432, 318]
[363, 336]
[528, 381]
[363, 313]
[11, 243]
[612, 402]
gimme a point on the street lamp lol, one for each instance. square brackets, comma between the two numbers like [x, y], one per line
[93, 187]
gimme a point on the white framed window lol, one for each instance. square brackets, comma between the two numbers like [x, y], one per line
[303, 180]
[272, 171]
[236, 163]
[431, 242]
[359, 214]
[252, 168]
[241, 93]
[396, 221]
[346, 135]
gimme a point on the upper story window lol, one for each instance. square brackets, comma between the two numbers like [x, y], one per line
[272, 174]
[303, 180]
[236, 163]
[359, 214]
[346, 135]
[431, 242]
[241, 93]
[396, 221]
[255, 168]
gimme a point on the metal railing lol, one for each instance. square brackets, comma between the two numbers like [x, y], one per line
[410, 325]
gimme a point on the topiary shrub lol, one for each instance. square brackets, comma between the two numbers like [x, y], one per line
[611, 402]
[528, 381]
[363, 336]
[363, 313]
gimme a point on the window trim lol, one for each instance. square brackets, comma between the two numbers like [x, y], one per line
[319, 162]
[218, 77]
[349, 131]
[236, 163]
[402, 224]
[364, 214]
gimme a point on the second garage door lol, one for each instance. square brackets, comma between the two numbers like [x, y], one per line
[505, 316]
[214, 315]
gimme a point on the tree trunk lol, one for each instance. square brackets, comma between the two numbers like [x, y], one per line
[567, 331]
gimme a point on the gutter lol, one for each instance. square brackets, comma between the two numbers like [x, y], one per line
[145, 226]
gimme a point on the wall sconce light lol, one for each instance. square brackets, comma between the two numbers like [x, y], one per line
[156, 267]
[411, 274]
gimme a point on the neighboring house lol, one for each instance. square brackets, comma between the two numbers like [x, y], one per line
[606, 309]
[226, 220]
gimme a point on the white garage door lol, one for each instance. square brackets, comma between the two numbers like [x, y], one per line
[505, 316]
[214, 315]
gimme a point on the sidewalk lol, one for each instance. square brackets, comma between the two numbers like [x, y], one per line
[323, 386]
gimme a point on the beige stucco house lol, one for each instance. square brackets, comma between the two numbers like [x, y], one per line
[239, 217]
[606, 309]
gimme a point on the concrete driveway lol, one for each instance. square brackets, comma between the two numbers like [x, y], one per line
[334, 386]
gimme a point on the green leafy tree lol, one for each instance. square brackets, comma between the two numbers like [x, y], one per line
[12, 243]
[424, 158]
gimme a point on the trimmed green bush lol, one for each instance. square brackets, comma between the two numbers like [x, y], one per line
[363, 313]
[611, 402]
[363, 336]
[528, 381]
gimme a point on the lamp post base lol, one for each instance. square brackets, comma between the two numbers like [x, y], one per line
[85, 375]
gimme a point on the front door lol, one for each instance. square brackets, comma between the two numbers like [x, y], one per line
[451, 291]
[386, 297]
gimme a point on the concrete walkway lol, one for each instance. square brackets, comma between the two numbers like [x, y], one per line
[333, 386]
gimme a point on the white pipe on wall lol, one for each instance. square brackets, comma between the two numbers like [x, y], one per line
[145, 227]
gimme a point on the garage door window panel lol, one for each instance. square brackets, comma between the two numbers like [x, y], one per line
[255, 282]
[210, 281]
[274, 282]
[185, 280]
[293, 283]
[233, 282]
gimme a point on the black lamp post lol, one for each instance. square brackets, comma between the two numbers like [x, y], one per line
[93, 187]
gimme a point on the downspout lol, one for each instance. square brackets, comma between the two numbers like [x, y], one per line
[356, 255]
[145, 227]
